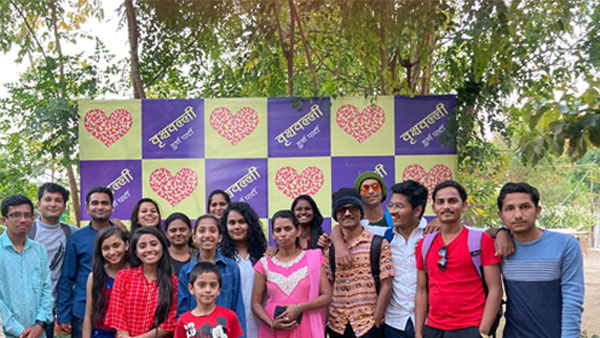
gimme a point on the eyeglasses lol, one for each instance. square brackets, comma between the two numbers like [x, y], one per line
[441, 264]
[393, 206]
[18, 215]
[365, 188]
[352, 208]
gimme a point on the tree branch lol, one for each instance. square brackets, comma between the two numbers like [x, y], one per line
[176, 56]
[289, 53]
[294, 12]
[29, 28]
[136, 78]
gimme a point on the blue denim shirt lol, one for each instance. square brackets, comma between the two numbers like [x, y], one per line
[231, 289]
[71, 293]
[25, 286]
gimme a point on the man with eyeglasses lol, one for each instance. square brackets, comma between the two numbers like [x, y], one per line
[25, 288]
[450, 291]
[358, 306]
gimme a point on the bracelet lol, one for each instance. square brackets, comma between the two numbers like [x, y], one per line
[503, 229]
[296, 306]
[271, 325]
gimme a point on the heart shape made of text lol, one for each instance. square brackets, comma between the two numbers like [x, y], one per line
[292, 184]
[360, 124]
[234, 128]
[173, 189]
[108, 129]
[437, 174]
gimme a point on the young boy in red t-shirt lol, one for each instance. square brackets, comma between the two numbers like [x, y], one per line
[207, 319]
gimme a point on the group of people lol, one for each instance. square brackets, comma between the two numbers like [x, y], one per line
[380, 273]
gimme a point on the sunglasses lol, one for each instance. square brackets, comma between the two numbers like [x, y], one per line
[441, 264]
[351, 208]
[365, 188]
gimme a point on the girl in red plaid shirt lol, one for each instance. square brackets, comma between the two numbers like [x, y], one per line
[144, 298]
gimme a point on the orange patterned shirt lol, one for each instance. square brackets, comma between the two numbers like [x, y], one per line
[354, 294]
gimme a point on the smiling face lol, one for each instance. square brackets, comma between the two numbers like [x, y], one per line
[348, 215]
[19, 220]
[284, 233]
[237, 227]
[51, 206]
[402, 212]
[303, 211]
[113, 249]
[448, 206]
[519, 213]
[217, 206]
[207, 235]
[205, 288]
[149, 249]
[148, 215]
[370, 192]
[178, 233]
[99, 207]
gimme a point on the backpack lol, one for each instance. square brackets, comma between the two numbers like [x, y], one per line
[66, 229]
[474, 244]
[374, 254]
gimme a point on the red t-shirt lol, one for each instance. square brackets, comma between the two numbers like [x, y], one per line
[220, 320]
[456, 296]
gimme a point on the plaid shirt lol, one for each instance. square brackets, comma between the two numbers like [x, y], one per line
[354, 294]
[133, 302]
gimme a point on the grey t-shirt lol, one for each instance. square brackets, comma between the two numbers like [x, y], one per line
[54, 240]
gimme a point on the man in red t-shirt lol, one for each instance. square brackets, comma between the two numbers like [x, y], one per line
[450, 293]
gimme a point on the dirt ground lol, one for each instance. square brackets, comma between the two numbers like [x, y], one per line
[591, 305]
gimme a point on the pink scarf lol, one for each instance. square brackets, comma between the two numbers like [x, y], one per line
[316, 317]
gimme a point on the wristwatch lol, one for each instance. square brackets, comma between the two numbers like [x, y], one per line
[483, 335]
[503, 229]
[40, 323]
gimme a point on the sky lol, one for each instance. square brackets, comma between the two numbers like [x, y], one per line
[106, 30]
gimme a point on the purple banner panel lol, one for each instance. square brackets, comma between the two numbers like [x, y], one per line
[347, 169]
[173, 128]
[420, 121]
[299, 127]
[245, 180]
[124, 178]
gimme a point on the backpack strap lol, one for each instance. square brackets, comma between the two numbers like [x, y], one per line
[66, 229]
[474, 243]
[332, 261]
[388, 218]
[427, 241]
[375, 258]
[389, 235]
[31, 233]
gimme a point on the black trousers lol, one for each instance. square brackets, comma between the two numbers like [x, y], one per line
[470, 332]
[374, 332]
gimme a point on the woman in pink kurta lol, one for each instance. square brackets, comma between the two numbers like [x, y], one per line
[294, 279]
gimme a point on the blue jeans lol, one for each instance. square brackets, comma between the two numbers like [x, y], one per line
[76, 327]
[390, 332]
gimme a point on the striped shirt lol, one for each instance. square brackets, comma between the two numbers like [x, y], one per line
[544, 288]
[133, 303]
[354, 294]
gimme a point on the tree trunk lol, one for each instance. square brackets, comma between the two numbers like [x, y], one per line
[74, 194]
[136, 78]
[311, 67]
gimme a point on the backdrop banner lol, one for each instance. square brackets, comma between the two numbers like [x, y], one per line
[263, 151]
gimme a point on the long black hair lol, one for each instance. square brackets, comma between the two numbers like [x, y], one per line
[217, 192]
[134, 220]
[257, 242]
[182, 217]
[316, 225]
[98, 273]
[164, 273]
